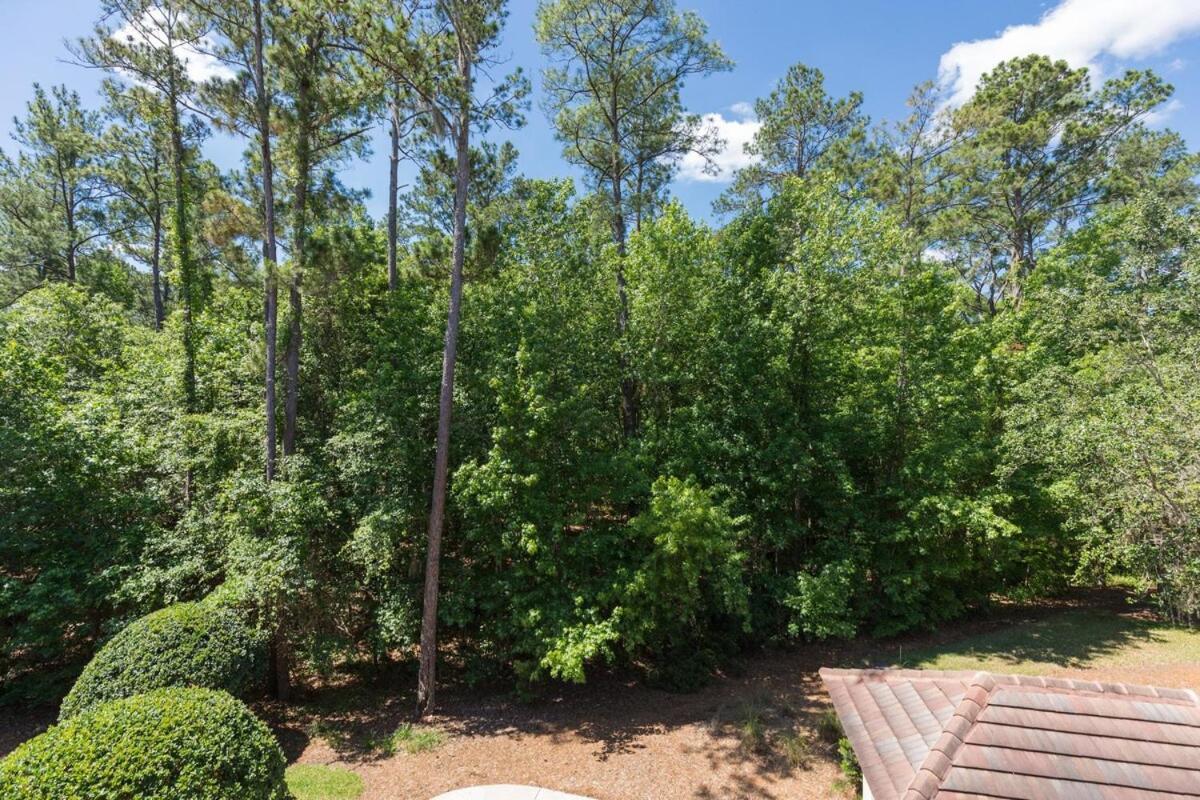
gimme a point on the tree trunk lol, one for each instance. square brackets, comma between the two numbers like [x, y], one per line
[156, 268]
[281, 671]
[629, 403]
[71, 257]
[304, 113]
[292, 357]
[426, 679]
[183, 258]
[69, 208]
[270, 251]
[393, 187]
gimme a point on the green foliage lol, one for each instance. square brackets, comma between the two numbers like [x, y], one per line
[170, 744]
[949, 359]
[1036, 139]
[614, 94]
[319, 782]
[848, 763]
[795, 748]
[802, 130]
[823, 603]
[829, 727]
[75, 499]
[186, 644]
[1107, 408]
[688, 586]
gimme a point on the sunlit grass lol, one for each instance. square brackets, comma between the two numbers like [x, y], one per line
[1071, 639]
[319, 782]
[411, 739]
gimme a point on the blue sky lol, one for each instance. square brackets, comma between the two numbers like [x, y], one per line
[879, 47]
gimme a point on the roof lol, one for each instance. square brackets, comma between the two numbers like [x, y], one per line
[923, 734]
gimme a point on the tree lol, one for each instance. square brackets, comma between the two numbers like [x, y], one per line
[801, 129]
[138, 154]
[152, 39]
[474, 28]
[77, 497]
[427, 209]
[1106, 412]
[909, 169]
[396, 135]
[244, 102]
[614, 100]
[54, 196]
[262, 114]
[1036, 141]
[327, 115]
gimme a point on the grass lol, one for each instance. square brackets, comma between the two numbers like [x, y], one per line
[765, 728]
[1073, 639]
[795, 748]
[318, 782]
[412, 739]
[751, 726]
[829, 727]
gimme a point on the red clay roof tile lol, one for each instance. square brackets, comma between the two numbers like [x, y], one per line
[924, 735]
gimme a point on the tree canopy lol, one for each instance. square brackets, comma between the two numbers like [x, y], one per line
[916, 366]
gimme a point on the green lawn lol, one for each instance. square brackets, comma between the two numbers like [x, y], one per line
[1076, 639]
[318, 782]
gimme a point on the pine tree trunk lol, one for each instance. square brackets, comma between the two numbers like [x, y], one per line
[426, 679]
[304, 114]
[393, 187]
[292, 366]
[270, 251]
[629, 402]
[70, 212]
[156, 268]
[181, 239]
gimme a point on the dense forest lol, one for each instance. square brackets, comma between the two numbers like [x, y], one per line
[557, 426]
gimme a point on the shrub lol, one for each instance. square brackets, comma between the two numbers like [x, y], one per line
[848, 762]
[169, 744]
[186, 644]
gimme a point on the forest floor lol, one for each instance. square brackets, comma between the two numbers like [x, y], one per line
[756, 733]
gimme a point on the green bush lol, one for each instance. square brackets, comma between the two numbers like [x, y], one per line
[186, 644]
[169, 744]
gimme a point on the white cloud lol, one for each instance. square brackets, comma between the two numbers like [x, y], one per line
[1159, 116]
[1079, 31]
[743, 109]
[201, 66]
[735, 133]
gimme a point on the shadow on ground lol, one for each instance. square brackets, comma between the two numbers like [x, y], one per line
[761, 727]
[756, 733]
[1070, 639]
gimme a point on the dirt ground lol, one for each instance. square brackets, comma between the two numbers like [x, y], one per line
[754, 734]
[613, 739]
[616, 739]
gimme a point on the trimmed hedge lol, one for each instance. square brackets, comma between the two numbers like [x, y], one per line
[187, 644]
[169, 744]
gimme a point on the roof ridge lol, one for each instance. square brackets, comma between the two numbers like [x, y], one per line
[898, 672]
[1099, 687]
[933, 770]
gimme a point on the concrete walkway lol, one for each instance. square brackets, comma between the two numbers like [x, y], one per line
[507, 791]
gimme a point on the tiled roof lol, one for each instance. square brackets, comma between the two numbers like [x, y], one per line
[922, 734]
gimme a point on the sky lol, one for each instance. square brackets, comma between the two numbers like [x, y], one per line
[881, 48]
